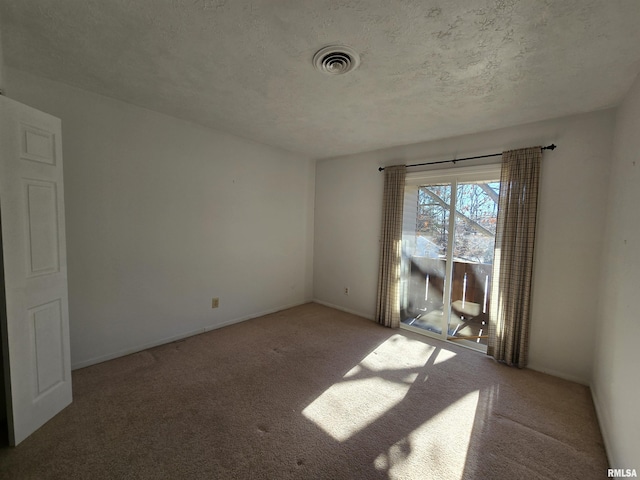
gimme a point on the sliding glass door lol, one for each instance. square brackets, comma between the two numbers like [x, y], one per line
[448, 240]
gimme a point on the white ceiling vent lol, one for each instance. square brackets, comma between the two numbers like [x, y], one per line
[336, 59]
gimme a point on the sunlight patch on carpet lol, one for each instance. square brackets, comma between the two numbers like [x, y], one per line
[443, 356]
[370, 389]
[442, 442]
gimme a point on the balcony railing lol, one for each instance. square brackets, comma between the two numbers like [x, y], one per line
[470, 298]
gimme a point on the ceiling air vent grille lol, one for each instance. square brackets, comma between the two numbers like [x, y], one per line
[336, 60]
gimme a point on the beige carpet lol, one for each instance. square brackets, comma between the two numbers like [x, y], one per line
[313, 393]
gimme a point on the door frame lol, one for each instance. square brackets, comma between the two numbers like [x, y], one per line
[454, 176]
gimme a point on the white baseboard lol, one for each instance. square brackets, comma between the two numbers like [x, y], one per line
[603, 422]
[343, 309]
[253, 315]
[558, 374]
[180, 336]
[136, 349]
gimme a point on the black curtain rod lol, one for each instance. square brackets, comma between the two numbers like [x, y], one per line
[548, 147]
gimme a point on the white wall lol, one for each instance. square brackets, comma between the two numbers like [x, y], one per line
[1, 65]
[571, 215]
[616, 381]
[3, 406]
[163, 215]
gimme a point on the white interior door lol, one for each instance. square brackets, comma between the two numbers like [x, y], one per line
[36, 326]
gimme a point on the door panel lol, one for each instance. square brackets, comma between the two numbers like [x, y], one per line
[36, 326]
[428, 259]
[448, 241]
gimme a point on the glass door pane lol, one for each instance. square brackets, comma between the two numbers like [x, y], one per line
[427, 260]
[474, 240]
[448, 241]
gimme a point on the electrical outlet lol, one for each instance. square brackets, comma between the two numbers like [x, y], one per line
[215, 302]
[346, 290]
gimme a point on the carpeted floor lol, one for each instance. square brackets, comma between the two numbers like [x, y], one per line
[314, 393]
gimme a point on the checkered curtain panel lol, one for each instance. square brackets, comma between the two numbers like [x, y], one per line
[388, 304]
[513, 258]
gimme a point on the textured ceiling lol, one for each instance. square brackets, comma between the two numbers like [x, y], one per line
[430, 68]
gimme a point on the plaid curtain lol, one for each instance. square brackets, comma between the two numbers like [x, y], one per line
[513, 258]
[388, 304]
